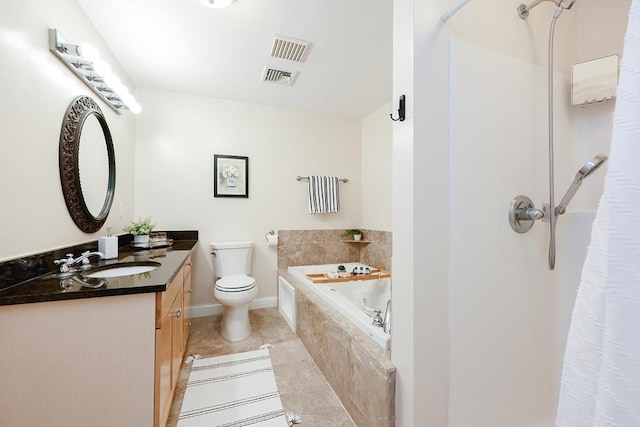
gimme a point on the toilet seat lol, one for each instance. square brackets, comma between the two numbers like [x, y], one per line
[236, 283]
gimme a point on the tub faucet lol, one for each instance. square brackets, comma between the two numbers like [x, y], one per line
[377, 319]
[386, 324]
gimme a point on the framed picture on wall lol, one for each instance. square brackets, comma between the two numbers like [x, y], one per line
[231, 176]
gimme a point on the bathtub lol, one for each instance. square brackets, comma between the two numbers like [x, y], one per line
[355, 299]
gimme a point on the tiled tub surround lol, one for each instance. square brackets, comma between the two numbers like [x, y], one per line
[313, 247]
[351, 298]
[357, 368]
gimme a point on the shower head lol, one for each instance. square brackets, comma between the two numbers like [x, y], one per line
[562, 6]
[590, 167]
[566, 4]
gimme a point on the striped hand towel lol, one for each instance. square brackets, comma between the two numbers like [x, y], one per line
[324, 194]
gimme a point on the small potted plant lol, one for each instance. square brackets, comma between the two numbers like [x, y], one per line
[357, 234]
[140, 230]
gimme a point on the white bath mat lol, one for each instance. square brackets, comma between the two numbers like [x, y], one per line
[232, 391]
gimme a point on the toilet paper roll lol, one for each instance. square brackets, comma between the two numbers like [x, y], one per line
[272, 240]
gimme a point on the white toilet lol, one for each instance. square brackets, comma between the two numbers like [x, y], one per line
[234, 289]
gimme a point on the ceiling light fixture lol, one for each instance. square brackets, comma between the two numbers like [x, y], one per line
[216, 4]
[84, 60]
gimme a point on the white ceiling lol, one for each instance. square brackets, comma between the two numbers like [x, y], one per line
[184, 46]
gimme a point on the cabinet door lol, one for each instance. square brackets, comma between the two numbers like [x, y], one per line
[177, 349]
[187, 301]
[164, 365]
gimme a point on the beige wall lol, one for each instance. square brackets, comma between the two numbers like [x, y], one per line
[376, 169]
[35, 90]
[453, 159]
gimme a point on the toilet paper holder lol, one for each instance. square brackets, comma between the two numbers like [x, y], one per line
[268, 233]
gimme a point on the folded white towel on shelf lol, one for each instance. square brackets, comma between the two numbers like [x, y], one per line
[324, 194]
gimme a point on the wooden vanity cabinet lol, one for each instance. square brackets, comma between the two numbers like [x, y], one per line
[90, 361]
[171, 337]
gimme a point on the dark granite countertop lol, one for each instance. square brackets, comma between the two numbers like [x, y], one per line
[48, 287]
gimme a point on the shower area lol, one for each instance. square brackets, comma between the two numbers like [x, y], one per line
[486, 307]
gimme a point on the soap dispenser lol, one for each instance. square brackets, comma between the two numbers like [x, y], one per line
[108, 245]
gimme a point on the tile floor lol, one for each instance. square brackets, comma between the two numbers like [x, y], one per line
[303, 389]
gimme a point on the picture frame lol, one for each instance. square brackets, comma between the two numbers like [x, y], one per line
[230, 176]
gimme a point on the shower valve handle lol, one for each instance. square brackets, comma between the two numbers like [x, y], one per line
[522, 214]
[530, 214]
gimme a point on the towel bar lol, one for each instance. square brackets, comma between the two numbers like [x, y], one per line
[306, 178]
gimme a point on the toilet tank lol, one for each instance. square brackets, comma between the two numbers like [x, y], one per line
[231, 258]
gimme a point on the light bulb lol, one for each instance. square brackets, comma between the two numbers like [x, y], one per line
[102, 67]
[127, 98]
[89, 51]
[111, 79]
[135, 108]
[118, 87]
[121, 89]
[131, 103]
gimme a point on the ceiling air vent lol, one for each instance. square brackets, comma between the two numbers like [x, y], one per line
[279, 76]
[289, 48]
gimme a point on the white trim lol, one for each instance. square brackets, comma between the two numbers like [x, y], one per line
[287, 302]
[203, 310]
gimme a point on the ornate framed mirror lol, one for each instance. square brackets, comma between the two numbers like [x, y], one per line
[87, 164]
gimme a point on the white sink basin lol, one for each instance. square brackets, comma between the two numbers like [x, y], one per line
[119, 270]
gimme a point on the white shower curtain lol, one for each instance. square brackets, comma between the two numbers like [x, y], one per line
[601, 375]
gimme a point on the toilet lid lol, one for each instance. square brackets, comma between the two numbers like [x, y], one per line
[235, 283]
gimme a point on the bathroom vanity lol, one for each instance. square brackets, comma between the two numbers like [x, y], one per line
[100, 357]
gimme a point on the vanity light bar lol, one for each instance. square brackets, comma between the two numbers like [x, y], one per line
[78, 62]
[115, 95]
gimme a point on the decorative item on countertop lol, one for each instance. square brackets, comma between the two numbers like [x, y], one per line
[156, 240]
[108, 245]
[140, 230]
[357, 234]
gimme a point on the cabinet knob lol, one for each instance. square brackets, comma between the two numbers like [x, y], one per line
[189, 291]
[179, 313]
[188, 323]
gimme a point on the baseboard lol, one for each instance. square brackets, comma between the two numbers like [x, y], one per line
[203, 310]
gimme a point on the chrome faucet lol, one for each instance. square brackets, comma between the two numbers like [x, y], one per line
[386, 324]
[69, 261]
[84, 258]
[377, 319]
